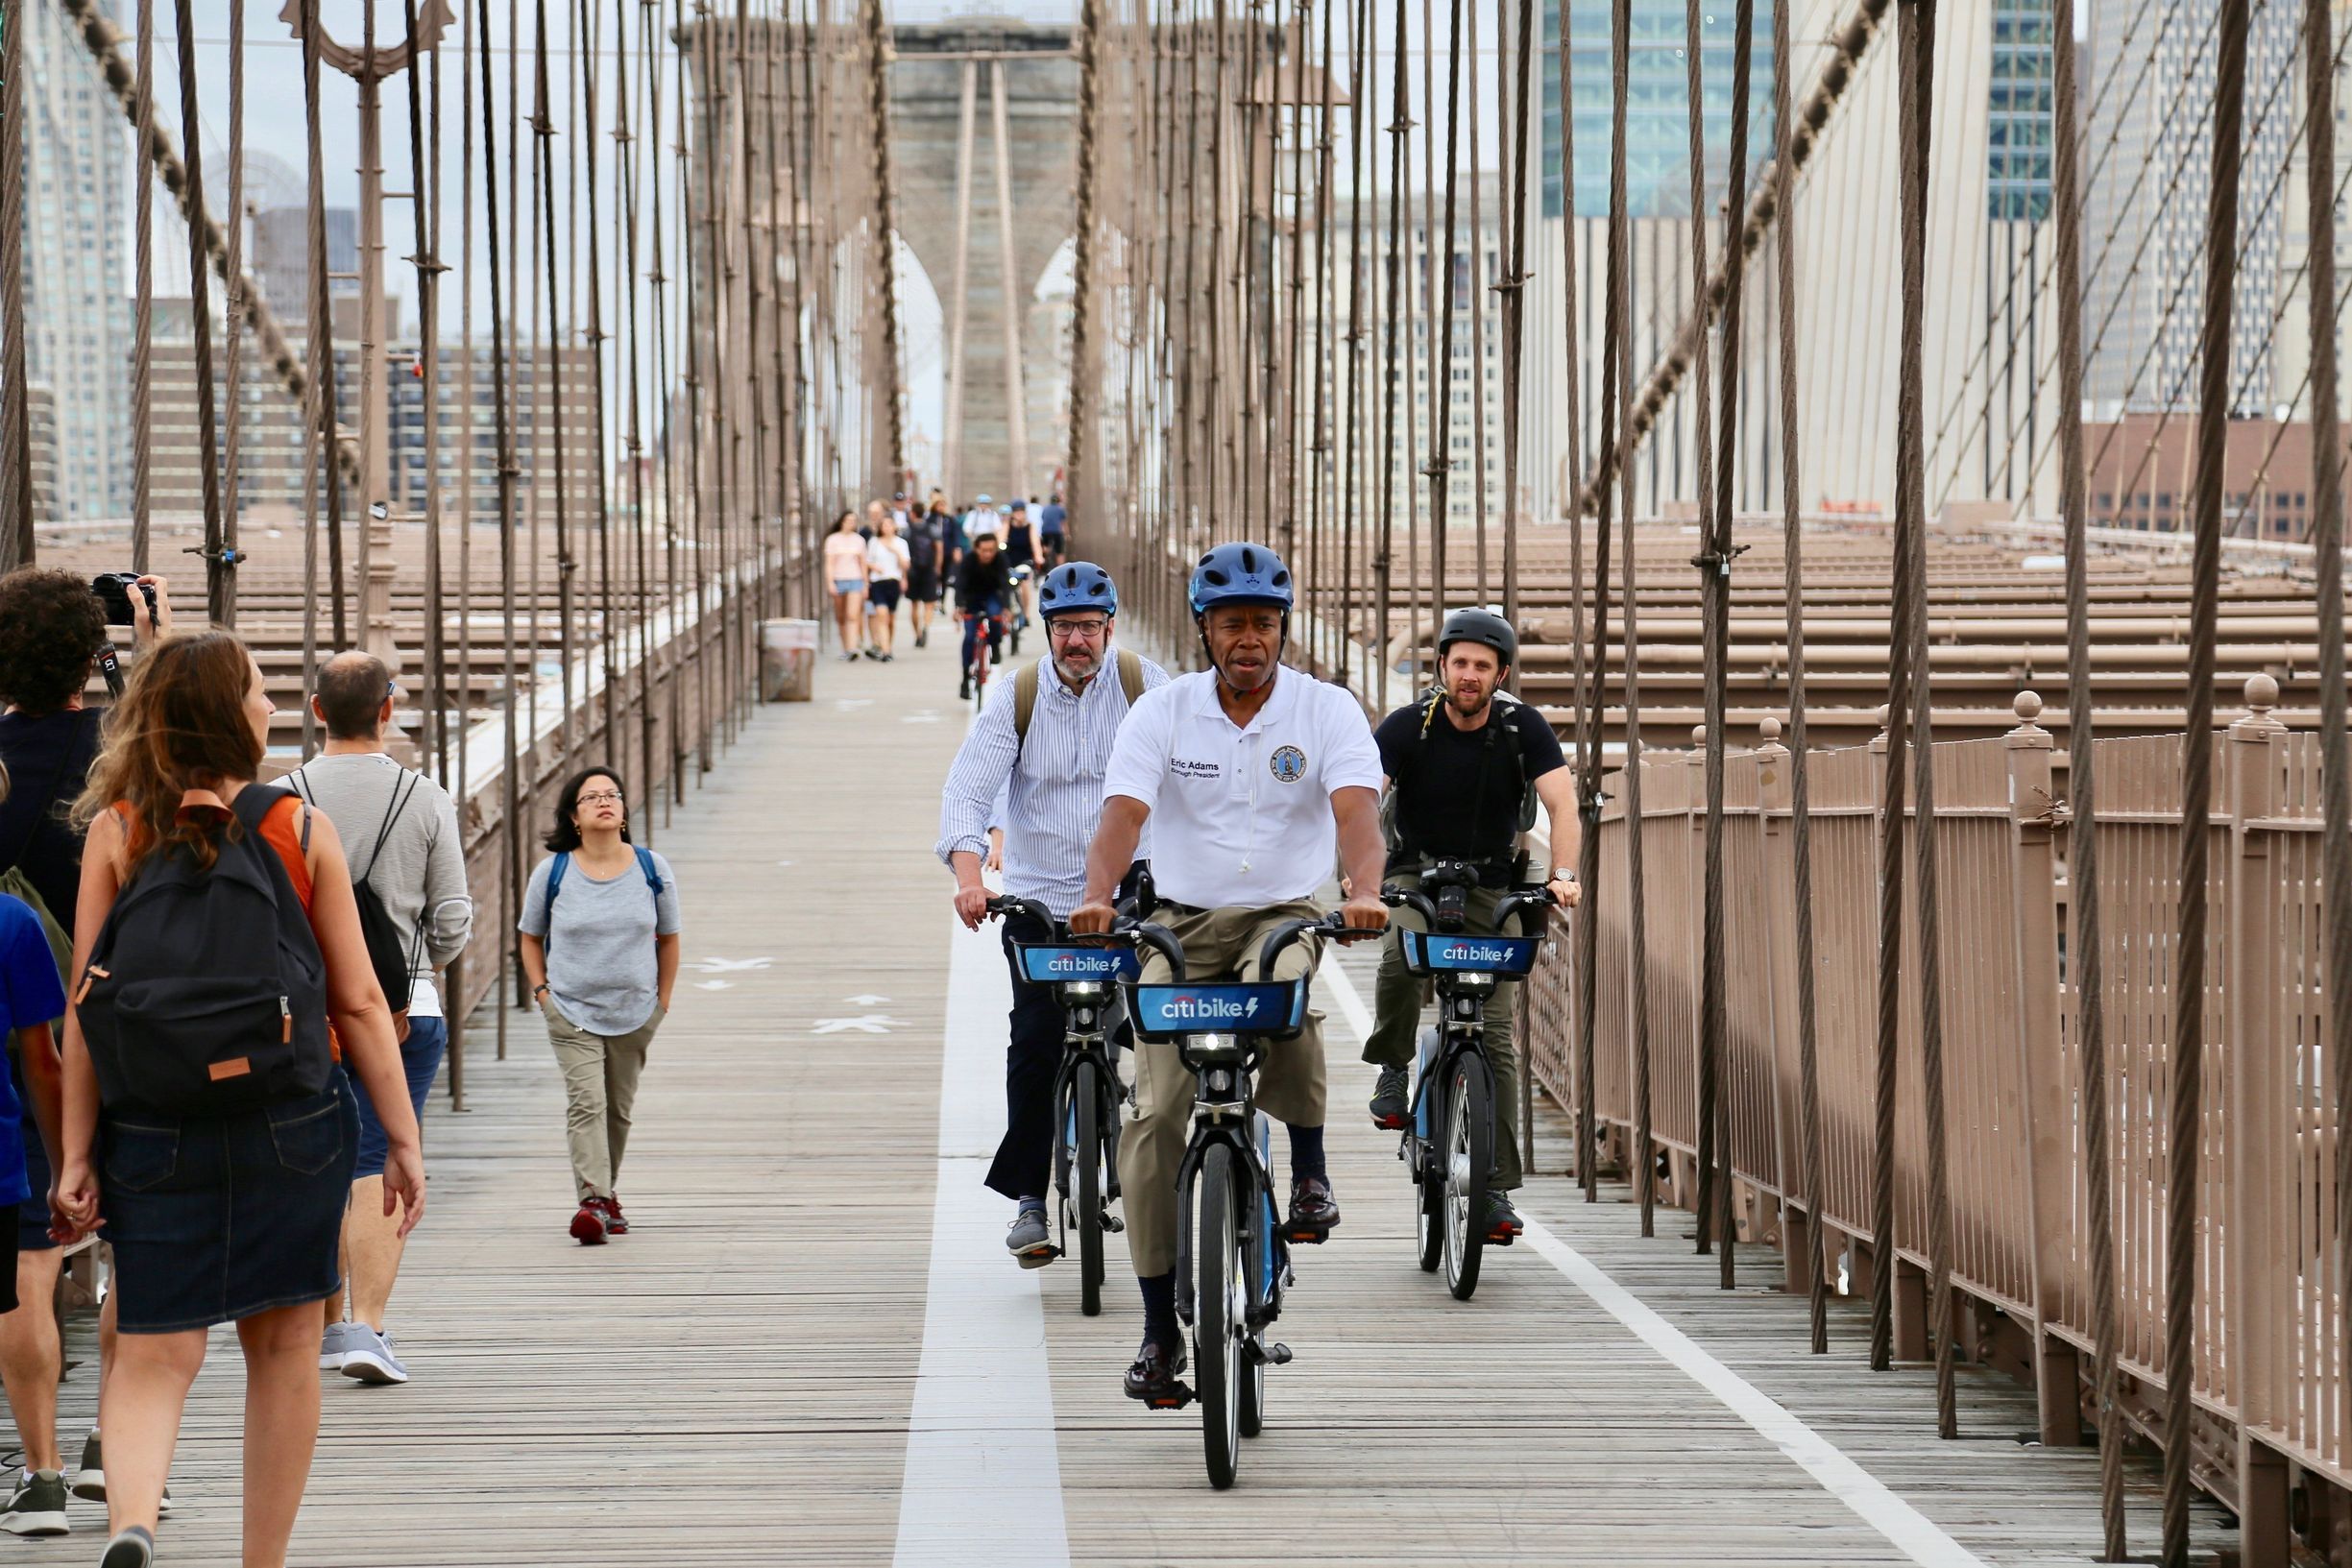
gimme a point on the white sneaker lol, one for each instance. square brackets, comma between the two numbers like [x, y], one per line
[340, 1341]
[371, 1358]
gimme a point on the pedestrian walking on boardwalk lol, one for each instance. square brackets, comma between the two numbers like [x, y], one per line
[887, 561]
[845, 570]
[601, 947]
[217, 1153]
[51, 623]
[927, 558]
[409, 862]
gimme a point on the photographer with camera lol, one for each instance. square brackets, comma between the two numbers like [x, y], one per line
[55, 631]
[1468, 765]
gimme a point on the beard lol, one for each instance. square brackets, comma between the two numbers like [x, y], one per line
[1076, 668]
[1473, 709]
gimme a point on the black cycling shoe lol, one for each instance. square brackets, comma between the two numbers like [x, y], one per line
[1155, 1377]
[1314, 1211]
[1503, 1221]
[1390, 1111]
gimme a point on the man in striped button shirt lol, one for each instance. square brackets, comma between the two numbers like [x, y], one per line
[1044, 788]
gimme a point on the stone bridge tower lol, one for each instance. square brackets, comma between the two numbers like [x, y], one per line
[984, 142]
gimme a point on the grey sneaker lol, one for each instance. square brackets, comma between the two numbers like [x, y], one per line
[90, 1481]
[340, 1341]
[38, 1506]
[371, 1358]
[1390, 1105]
[1028, 1239]
[134, 1548]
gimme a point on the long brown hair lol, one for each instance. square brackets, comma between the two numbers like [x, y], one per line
[180, 726]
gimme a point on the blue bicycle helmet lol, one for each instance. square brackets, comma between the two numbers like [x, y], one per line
[1240, 572]
[1075, 586]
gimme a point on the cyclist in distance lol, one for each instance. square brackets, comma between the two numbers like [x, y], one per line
[983, 593]
[1250, 776]
[1033, 764]
[1461, 761]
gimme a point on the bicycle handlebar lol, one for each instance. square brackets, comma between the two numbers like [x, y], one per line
[1006, 903]
[1509, 905]
[1332, 927]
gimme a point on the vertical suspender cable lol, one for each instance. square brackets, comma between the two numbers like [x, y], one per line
[16, 539]
[551, 394]
[319, 417]
[1715, 573]
[2327, 537]
[1082, 280]
[428, 349]
[200, 305]
[1890, 1040]
[2087, 959]
[1322, 481]
[143, 305]
[458, 972]
[2187, 1131]
[510, 838]
[1384, 569]
[1514, 342]
[1715, 590]
[235, 305]
[1440, 264]
[1364, 186]
[586, 49]
[878, 67]
[1917, 37]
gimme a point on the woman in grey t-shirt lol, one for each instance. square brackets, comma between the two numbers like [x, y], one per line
[601, 947]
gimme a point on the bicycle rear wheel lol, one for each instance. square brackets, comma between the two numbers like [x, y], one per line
[1469, 1152]
[1086, 1153]
[1217, 1320]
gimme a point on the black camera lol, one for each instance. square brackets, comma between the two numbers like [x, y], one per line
[114, 590]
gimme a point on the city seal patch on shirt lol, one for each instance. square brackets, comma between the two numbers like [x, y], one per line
[1289, 763]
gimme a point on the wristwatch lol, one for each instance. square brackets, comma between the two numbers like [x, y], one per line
[539, 990]
[1564, 873]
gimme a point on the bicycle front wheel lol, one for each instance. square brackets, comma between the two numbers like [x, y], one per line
[1468, 1152]
[1086, 1158]
[1218, 1322]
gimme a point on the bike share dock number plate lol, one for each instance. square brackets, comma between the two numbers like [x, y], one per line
[1163, 1010]
[1048, 965]
[1426, 953]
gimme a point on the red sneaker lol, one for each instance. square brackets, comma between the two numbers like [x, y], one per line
[588, 1226]
[616, 1223]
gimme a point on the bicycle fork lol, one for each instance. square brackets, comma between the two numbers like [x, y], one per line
[1259, 1233]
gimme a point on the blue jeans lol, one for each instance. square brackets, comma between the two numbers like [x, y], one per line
[420, 1053]
[989, 615]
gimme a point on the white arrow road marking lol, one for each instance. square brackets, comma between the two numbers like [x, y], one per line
[926, 717]
[713, 985]
[865, 1000]
[864, 1024]
[729, 966]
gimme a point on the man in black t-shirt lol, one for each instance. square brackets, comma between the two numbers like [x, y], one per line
[1460, 763]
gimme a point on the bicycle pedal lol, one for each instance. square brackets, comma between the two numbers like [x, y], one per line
[1278, 1352]
[1392, 1124]
[1112, 1224]
[1501, 1237]
[1175, 1398]
[1305, 1235]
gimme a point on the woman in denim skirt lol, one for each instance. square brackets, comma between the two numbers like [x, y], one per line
[231, 1218]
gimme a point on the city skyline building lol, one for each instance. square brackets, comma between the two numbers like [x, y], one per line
[77, 296]
[2151, 102]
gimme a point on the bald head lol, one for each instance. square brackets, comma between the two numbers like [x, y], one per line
[352, 690]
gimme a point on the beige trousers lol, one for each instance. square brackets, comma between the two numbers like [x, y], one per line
[600, 1073]
[1218, 944]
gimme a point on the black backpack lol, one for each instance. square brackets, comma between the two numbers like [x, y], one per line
[205, 992]
[387, 955]
[1502, 737]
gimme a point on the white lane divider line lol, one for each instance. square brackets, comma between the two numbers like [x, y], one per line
[1908, 1530]
[983, 1486]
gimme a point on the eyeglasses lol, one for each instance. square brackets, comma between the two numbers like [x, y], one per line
[1067, 631]
[601, 797]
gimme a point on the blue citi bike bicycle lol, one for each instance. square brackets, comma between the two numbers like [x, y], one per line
[1232, 1254]
[1087, 1091]
[1448, 1146]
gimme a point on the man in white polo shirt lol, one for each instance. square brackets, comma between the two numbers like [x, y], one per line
[1256, 780]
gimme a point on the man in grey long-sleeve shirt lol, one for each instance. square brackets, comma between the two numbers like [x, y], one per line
[399, 832]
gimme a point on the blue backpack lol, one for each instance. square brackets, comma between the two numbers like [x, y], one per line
[563, 863]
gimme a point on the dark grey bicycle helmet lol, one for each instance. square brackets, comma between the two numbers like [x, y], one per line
[1483, 627]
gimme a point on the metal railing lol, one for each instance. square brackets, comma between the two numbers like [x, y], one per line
[2271, 1382]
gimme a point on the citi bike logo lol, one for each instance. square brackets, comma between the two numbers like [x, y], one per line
[1081, 966]
[1474, 952]
[1209, 1009]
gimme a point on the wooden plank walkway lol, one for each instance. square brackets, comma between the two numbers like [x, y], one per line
[732, 1381]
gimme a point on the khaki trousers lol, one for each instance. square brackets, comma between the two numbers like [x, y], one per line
[600, 1073]
[1218, 944]
[1397, 1013]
